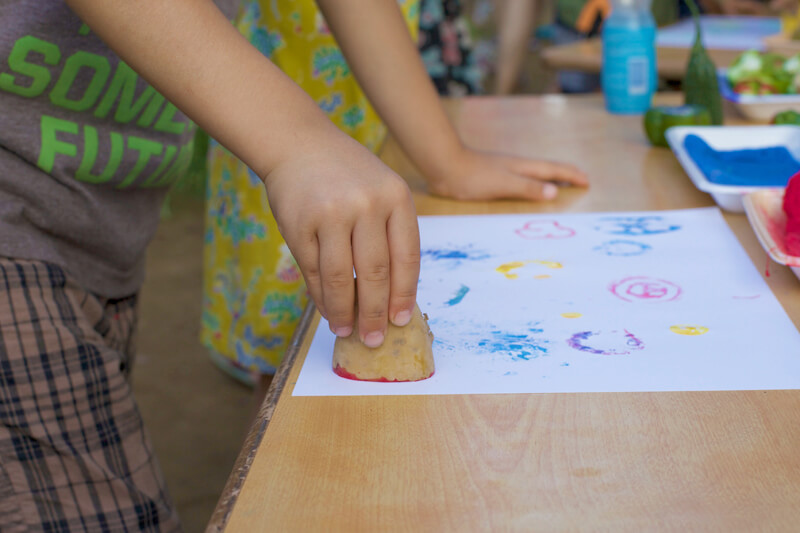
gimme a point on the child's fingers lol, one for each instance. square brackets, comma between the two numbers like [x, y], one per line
[371, 259]
[307, 259]
[549, 171]
[403, 234]
[336, 277]
[512, 185]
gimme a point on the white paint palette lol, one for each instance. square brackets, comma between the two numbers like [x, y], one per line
[730, 197]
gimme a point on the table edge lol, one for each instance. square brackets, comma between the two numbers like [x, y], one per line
[241, 467]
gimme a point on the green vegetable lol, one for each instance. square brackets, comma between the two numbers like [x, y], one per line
[700, 85]
[768, 73]
[787, 117]
[659, 119]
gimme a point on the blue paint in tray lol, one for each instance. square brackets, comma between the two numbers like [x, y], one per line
[752, 167]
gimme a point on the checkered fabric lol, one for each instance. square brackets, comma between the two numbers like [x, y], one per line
[74, 455]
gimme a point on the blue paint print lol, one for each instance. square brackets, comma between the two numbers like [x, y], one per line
[605, 343]
[622, 248]
[564, 364]
[635, 226]
[519, 346]
[458, 296]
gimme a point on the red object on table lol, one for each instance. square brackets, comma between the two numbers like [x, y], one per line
[791, 206]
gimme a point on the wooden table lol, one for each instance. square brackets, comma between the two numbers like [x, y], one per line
[587, 56]
[712, 461]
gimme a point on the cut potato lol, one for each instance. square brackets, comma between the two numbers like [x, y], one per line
[405, 355]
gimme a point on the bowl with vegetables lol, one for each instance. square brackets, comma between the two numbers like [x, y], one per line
[762, 84]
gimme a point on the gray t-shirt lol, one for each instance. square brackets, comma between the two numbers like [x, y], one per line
[87, 149]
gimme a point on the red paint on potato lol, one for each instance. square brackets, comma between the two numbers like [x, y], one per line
[341, 372]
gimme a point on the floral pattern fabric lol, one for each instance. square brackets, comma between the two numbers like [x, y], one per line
[446, 46]
[253, 290]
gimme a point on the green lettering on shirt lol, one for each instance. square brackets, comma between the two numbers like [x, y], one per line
[18, 62]
[51, 146]
[181, 164]
[149, 114]
[152, 180]
[73, 65]
[123, 85]
[166, 124]
[146, 149]
[84, 172]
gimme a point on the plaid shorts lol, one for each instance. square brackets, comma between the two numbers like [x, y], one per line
[74, 455]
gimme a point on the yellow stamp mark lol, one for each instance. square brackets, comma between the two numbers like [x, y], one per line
[683, 329]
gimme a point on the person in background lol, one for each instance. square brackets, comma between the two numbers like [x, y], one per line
[446, 46]
[253, 292]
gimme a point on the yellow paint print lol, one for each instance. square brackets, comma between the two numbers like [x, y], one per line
[506, 268]
[571, 315]
[682, 329]
[549, 264]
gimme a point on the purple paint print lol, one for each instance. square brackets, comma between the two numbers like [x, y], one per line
[612, 342]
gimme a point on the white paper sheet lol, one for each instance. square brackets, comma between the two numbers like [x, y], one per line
[721, 32]
[587, 303]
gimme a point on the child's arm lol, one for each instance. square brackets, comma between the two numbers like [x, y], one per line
[337, 206]
[386, 63]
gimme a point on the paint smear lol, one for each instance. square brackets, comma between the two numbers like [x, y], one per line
[506, 268]
[453, 257]
[571, 315]
[548, 264]
[605, 342]
[520, 346]
[459, 295]
[683, 329]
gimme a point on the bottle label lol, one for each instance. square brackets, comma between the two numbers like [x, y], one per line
[638, 75]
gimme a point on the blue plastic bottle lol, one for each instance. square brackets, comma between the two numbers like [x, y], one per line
[629, 57]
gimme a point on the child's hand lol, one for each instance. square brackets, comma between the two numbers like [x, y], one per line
[339, 208]
[476, 175]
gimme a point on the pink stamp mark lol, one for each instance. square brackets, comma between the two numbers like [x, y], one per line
[544, 229]
[645, 289]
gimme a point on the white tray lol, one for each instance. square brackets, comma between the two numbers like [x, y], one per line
[757, 107]
[729, 197]
[765, 212]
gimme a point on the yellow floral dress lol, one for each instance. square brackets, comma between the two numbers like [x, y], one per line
[253, 291]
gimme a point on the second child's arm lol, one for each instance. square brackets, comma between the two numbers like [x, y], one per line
[376, 43]
[338, 207]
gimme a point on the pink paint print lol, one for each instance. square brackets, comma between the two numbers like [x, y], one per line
[544, 229]
[644, 289]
